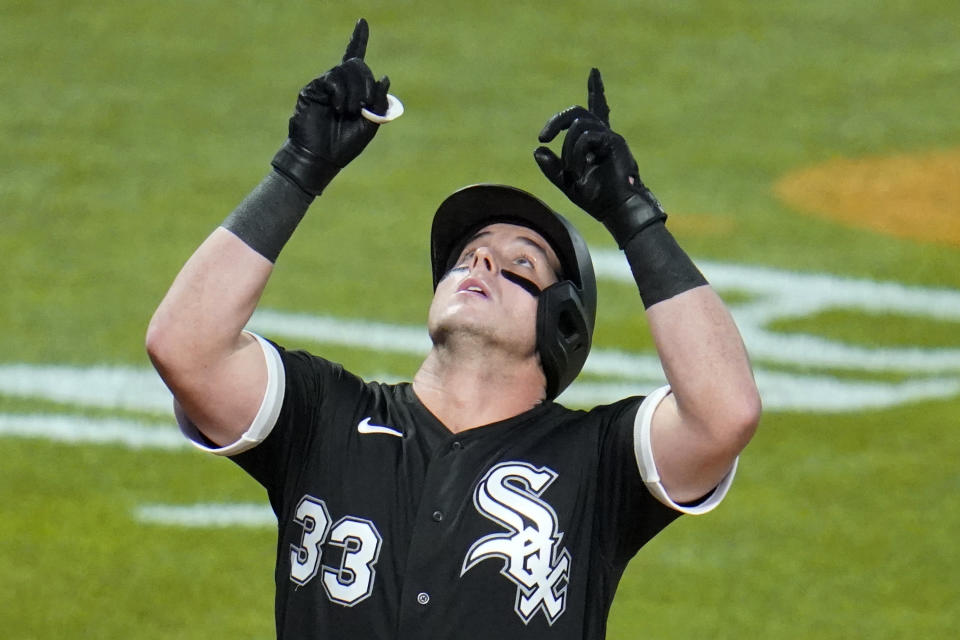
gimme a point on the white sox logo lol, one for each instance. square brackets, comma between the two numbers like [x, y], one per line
[509, 494]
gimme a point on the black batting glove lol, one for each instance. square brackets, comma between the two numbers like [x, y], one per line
[596, 169]
[327, 130]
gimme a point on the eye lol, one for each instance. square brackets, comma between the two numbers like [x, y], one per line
[524, 261]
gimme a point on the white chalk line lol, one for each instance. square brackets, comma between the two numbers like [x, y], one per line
[610, 374]
[73, 429]
[206, 515]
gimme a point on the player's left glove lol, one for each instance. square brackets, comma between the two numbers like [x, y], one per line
[598, 173]
[596, 169]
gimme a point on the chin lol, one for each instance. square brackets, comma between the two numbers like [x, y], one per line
[469, 324]
[482, 338]
[459, 328]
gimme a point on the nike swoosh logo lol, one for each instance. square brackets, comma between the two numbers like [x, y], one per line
[366, 427]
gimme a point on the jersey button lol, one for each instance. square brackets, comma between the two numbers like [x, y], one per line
[423, 597]
[457, 445]
[437, 516]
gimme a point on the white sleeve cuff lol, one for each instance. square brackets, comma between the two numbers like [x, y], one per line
[263, 422]
[648, 466]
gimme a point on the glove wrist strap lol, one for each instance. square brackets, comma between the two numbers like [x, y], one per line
[660, 267]
[640, 210]
[267, 217]
[307, 170]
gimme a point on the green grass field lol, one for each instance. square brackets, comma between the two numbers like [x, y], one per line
[130, 129]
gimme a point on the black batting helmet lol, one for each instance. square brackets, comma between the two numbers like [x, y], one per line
[567, 309]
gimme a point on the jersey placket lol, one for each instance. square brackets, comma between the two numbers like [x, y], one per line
[429, 568]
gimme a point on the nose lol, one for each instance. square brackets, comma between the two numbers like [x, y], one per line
[483, 259]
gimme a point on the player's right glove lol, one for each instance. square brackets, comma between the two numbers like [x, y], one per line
[596, 169]
[327, 130]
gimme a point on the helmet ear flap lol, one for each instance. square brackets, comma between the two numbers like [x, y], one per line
[563, 337]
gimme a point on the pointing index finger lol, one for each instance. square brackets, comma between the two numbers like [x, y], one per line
[358, 41]
[596, 100]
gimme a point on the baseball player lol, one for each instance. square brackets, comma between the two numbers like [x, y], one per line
[467, 503]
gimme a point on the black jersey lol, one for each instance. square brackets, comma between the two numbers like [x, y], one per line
[391, 526]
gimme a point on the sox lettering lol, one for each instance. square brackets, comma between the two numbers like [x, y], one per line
[509, 494]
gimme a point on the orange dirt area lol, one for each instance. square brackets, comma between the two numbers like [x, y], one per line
[913, 196]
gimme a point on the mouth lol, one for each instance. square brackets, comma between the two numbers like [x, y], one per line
[473, 287]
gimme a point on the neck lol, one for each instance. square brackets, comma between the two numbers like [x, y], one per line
[464, 393]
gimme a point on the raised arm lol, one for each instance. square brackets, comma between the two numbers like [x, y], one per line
[714, 407]
[195, 339]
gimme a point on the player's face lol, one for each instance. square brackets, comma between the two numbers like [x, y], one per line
[476, 299]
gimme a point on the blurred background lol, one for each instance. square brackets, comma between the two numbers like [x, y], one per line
[808, 154]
